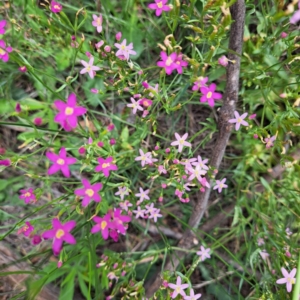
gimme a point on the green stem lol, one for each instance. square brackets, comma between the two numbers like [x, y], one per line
[297, 285]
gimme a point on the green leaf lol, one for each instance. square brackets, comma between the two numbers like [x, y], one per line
[125, 134]
[67, 286]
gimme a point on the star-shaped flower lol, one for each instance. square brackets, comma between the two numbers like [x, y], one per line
[178, 288]
[125, 50]
[288, 278]
[135, 106]
[220, 184]
[239, 120]
[89, 67]
[89, 192]
[143, 195]
[181, 141]
[203, 253]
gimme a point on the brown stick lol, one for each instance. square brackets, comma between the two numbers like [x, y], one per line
[230, 99]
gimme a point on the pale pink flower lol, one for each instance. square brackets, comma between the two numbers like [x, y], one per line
[143, 195]
[220, 184]
[89, 67]
[288, 278]
[178, 288]
[296, 16]
[144, 157]
[123, 191]
[264, 254]
[239, 120]
[97, 22]
[223, 61]
[199, 83]
[269, 141]
[192, 296]
[181, 141]
[135, 106]
[203, 253]
[125, 50]
[139, 213]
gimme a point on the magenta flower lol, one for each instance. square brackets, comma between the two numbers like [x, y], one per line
[192, 296]
[178, 288]
[288, 278]
[105, 166]
[27, 195]
[26, 229]
[199, 83]
[145, 102]
[89, 67]
[60, 233]
[179, 62]
[239, 120]
[269, 141]
[5, 162]
[103, 225]
[89, 192]
[145, 158]
[159, 6]
[209, 94]
[4, 51]
[181, 141]
[61, 162]
[203, 253]
[97, 22]
[168, 62]
[2, 25]
[296, 16]
[68, 112]
[55, 7]
[220, 185]
[23, 69]
[36, 239]
[125, 50]
[135, 106]
[118, 220]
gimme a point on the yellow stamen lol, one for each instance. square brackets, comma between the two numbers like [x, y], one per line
[59, 233]
[159, 4]
[89, 192]
[2, 52]
[60, 161]
[27, 194]
[169, 61]
[103, 225]
[69, 111]
[105, 165]
[209, 94]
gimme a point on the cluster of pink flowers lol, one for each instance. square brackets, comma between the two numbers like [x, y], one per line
[27, 231]
[179, 290]
[172, 62]
[4, 49]
[149, 212]
[112, 224]
[209, 93]
[124, 51]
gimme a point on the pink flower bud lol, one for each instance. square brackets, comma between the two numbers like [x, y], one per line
[73, 37]
[223, 61]
[145, 84]
[156, 148]
[107, 48]
[202, 189]
[88, 54]
[2, 151]
[123, 273]
[95, 91]
[137, 96]
[140, 72]
[255, 136]
[175, 161]
[90, 141]
[252, 116]
[163, 185]
[38, 121]
[81, 150]
[18, 108]
[112, 141]
[118, 36]
[284, 35]
[288, 254]
[59, 264]
[36, 239]
[115, 265]
[160, 199]
[100, 144]
[184, 177]
[5, 162]
[216, 171]
[99, 44]
[283, 95]
[111, 127]
[23, 69]
[168, 150]
[145, 113]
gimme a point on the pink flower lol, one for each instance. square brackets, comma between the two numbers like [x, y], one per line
[264, 254]
[180, 63]
[269, 141]
[2, 25]
[161, 169]
[89, 67]
[105, 166]
[4, 51]
[144, 158]
[89, 192]
[68, 112]
[125, 205]
[143, 195]
[199, 83]
[192, 296]
[284, 35]
[201, 163]
[203, 253]
[111, 127]
[36, 239]
[97, 22]
[94, 91]
[252, 116]
[26, 229]
[239, 120]
[125, 50]
[155, 214]
[23, 69]
[196, 173]
[60, 233]
[122, 192]
[145, 102]
[61, 162]
[27, 195]
[220, 184]
[135, 106]
[296, 16]
[139, 212]
[288, 278]
[102, 225]
[5, 162]
[168, 62]
[107, 48]
[178, 288]
[159, 6]
[260, 241]
[118, 36]
[181, 141]
[209, 94]
[223, 61]
[99, 44]
[18, 108]
[55, 7]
